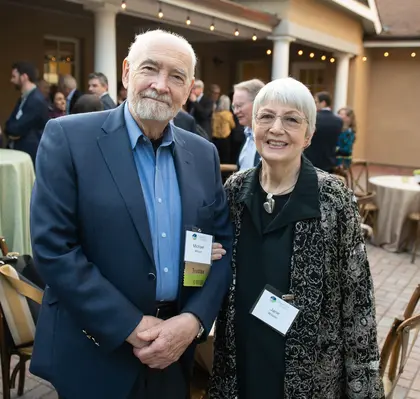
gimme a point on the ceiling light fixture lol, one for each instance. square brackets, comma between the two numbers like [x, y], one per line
[123, 5]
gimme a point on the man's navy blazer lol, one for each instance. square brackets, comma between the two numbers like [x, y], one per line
[30, 125]
[92, 245]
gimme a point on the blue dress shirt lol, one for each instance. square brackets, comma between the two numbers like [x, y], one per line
[159, 183]
[247, 155]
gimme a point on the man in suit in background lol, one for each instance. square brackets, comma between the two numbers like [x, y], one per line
[68, 86]
[200, 107]
[185, 121]
[26, 123]
[323, 146]
[124, 323]
[98, 84]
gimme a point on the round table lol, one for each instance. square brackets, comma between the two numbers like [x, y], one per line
[16, 181]
[396, 197]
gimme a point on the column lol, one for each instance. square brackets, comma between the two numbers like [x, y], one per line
[106, 45]
[281, 50]
[341, 80]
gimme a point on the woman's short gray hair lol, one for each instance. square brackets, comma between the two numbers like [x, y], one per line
[291, 93]
[224, 103]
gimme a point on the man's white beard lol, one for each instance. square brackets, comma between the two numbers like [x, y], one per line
[148, 109]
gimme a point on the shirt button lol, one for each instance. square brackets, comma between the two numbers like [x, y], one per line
[166, 270]
[163, 235]
[160, 200]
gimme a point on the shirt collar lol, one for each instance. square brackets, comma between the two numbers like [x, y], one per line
[70, 96]
[103, 94]
[248, 132]
[134, 131]
[26, 93]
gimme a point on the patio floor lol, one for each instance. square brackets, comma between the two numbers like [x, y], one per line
[395, 279]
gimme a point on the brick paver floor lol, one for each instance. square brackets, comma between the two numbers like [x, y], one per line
[395, 279]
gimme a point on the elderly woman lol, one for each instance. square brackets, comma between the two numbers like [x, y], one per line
[299, 319]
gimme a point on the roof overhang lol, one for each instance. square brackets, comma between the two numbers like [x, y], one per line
[368, 13]
[391, 43]
[229, 11]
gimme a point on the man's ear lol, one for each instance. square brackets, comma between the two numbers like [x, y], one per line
[125, 72]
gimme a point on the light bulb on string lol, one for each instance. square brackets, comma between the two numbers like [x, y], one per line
[323, 58]
[386, 54]
[312, 55]
[123, 5]
[300, 52]
[364, 59]
[212, 27]
[236, 32]
[188, 20]
[254, 37]
[160, 13]
[268, 52]
[332, 59]
[413, 54]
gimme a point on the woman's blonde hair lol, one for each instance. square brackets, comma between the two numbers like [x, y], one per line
[350, 114]
[224, 103]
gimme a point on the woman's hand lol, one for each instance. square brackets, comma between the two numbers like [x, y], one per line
[217, 251]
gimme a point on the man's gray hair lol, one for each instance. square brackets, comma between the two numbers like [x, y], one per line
[137, 47]
[290, 93]
[252, 87]
[224, 103]
[67, 81]
[199, 83]
[103, 80]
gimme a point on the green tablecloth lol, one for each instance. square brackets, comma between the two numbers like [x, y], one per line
[16, 181]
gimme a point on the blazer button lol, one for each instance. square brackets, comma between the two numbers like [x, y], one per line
[151, 276]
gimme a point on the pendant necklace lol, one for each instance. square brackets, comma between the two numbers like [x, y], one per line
[270, 201]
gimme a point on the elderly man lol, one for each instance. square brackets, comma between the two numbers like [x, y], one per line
[243, 100]
[98, 84]
[200, 107]
[68, 86]
[123, 204]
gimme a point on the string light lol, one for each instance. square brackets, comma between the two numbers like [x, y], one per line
[188, 20]
[212, 27]
[300, 52]
[123, 5]
[236, 32]
[160, 13]
[323, 58]
[386, 54]
[312, 55]
[364, 59]
[413, 55]
[268, 52]
[254, 37]
[332, 59]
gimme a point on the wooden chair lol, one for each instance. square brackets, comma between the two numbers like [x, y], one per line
[3, 246]
[8, 333]
[391, 350]
[414, 220]
[359, 183]
[396, 351]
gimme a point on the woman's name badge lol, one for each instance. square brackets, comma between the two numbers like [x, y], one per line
[275, 311]
[197, 258]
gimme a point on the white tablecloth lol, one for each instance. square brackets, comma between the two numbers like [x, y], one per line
[396, 198]
[16, 181]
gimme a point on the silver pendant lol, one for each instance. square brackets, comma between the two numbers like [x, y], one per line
[269, 204]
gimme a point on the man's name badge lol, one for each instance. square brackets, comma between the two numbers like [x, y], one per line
[275, 311]
[197, 258]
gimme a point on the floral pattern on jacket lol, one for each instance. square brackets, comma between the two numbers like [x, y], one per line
[331, 349]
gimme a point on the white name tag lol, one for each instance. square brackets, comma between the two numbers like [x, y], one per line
[198, 247]
[274, 311]
[19, 114]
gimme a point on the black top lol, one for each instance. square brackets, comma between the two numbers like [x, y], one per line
[264, 253]
[322, 151]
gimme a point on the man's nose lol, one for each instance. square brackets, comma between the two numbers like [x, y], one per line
[161, 84]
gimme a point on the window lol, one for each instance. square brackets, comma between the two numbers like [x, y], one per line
[311, 74]
[61, 57]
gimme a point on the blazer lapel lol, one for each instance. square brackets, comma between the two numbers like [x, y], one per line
[116, 150]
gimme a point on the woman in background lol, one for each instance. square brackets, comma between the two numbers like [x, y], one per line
[59, 105]
[223, 124]
[346, 138]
